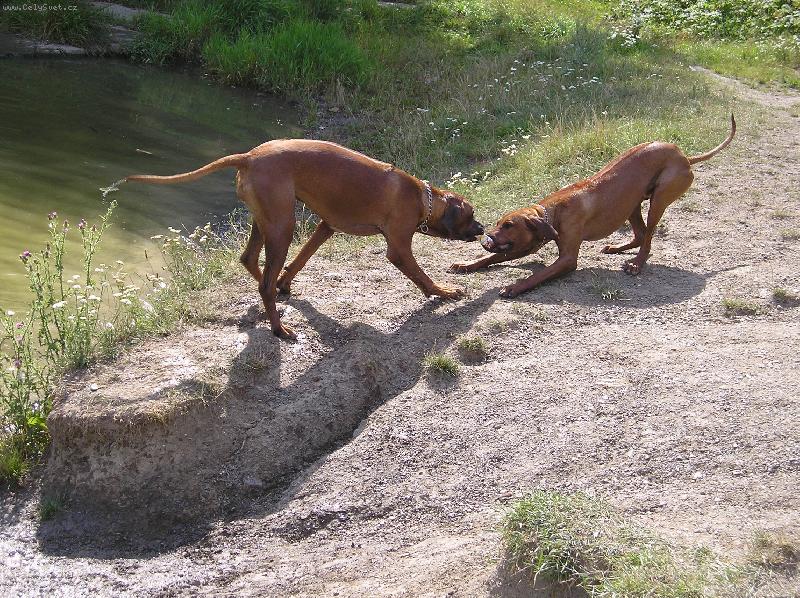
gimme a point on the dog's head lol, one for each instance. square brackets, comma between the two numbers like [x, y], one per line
[457, 220]
[522, 230]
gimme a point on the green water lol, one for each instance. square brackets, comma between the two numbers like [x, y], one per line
[71, 126]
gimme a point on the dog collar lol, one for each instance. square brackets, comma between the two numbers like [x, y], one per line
[546, 215]
[423, 226]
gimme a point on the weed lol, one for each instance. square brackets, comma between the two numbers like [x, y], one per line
[774, 552]
[740, 307]
[574, 538]
[473, 347]
[790, 234]
[784, 296]
[49, 507]
[441, 363]
[781, 214]
[606, 289]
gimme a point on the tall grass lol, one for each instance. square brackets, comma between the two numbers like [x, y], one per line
[74, 22]
[303, 55]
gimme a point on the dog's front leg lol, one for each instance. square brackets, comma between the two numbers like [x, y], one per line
[567, 262]
[485, 262]
[398, 251]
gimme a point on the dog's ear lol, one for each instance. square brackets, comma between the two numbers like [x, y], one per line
[545, 230]
[450, 217]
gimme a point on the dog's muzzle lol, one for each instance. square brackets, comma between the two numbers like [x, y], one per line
[489, 244]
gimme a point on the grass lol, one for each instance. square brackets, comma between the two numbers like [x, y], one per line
[606, 290]
[441, 364]
[774, 552]
[580, 540]
[74, 22]
[784, 296]
[781, 214]
[49, 507]
[790, 234]
[473, 347]
[741, 307]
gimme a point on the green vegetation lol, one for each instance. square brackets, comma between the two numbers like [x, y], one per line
[75, 319]
[790, 234]
[49, 507]
[740, 307]
[577, 539]
[278, 45]
[750, 39]
[606, 289]
[473, 347]
[784, 296]
[74, 22]
[441, 363]
[774, 552]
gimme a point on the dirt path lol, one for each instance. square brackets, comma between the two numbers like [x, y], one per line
[683, 417]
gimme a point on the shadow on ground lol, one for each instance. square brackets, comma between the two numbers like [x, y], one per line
[163, 485]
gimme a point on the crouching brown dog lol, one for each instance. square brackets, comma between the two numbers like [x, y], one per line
[350, 192]
[592, 209]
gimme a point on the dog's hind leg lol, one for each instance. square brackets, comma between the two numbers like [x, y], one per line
[249, 257]
[637, 226]
[322, 233]
[670, 186]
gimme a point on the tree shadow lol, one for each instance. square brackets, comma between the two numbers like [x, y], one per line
[247, 450]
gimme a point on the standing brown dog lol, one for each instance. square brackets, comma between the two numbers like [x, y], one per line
[592, 209]
[350, 192]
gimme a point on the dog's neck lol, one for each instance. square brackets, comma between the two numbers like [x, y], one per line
[428, 202]
[546, 215]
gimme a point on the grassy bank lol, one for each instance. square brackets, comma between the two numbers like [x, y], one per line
[76, 318]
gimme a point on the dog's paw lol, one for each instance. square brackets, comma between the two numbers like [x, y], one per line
[459, 268]
[448, 292]
[510, 291]
[608, 249]
[284, 332]
[632, 267]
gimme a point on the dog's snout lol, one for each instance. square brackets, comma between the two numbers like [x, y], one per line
[480, 227]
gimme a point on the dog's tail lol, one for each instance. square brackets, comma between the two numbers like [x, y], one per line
[719, 148]
[232, 161]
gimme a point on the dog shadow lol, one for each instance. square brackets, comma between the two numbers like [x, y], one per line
[268, 434]
[657, 285]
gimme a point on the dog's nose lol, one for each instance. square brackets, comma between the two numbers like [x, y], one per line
[480, 228]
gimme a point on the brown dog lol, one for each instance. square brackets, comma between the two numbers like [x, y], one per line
[592, 209]
[350, 192]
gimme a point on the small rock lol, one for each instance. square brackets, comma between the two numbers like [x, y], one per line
[93, 387]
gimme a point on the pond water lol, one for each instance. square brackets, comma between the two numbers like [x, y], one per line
[71, 126]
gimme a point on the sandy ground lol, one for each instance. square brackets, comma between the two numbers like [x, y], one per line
[684, 417]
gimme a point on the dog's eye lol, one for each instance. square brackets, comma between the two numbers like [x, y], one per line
[507, 225]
